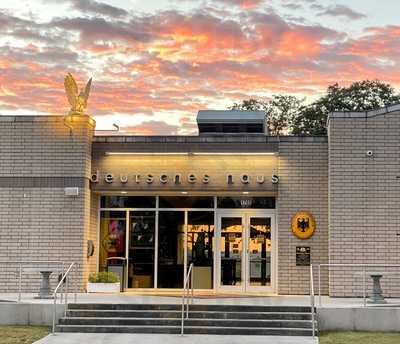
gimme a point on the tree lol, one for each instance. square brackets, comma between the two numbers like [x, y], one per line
[310, 120]
[359, 96]
[289, 115]
[281, 111]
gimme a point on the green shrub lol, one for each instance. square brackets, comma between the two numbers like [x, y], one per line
[103, 277]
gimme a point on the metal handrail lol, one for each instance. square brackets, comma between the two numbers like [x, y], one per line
[21, 262]
[186, 297]
[364, 272]
[312, 300]
[64, 278]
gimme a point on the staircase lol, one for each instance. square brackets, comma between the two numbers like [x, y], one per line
[203, 319]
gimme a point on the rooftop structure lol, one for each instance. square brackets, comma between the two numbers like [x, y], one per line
[231, 121]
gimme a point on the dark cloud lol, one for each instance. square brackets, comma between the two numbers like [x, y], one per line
[342, 11]
[15, 27]
[292, 5]
[92, 29]
[95, 8]
[317, 7]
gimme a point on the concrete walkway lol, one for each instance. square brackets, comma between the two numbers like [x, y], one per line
[148, 298]
[115, 338]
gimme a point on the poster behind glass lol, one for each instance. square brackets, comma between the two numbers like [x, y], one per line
[141, 249]
[112, 236]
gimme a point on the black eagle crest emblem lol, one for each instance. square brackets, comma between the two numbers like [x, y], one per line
[303, 224]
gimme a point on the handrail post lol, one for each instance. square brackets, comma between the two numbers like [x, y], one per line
[20, 282]
[63, 286]
[60, 285]
[312, 300]
[183, 309]
[319, 286]
[183, 312]
[188, 291]
[54, 314]
[66, 296]
[185, 296]
[76, 286]
[192, 285]
[364, 288]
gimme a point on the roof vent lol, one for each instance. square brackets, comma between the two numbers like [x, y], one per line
[231, 122]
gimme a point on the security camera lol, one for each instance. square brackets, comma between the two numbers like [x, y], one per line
[370, 153]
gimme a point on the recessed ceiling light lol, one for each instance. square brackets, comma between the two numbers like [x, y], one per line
[191, 153]
[184, 192]
[123, 192]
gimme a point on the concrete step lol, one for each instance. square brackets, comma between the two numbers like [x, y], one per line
[203, 319]
[206, 323]
[188, 330]
[105, 313]
[195, 307]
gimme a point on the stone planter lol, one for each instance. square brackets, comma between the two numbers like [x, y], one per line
[103, 287]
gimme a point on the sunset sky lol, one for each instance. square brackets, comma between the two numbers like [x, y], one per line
[155, 63]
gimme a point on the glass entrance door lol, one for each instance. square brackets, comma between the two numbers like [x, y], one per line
[245, 259]
[259, 253]
[231, 252]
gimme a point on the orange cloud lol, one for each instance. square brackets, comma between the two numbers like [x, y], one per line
[149, 64]
[295, 44]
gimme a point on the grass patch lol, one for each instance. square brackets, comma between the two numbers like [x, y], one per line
[22, 334]
[359, 338]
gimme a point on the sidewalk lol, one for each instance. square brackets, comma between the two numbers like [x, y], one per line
[116, 338]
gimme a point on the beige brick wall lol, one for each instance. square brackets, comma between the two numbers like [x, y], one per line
[364, 199]
[92, 233]
[38, 158]
[42, 146]
[303, 185]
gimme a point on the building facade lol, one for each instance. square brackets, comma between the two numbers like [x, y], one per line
[250, 211]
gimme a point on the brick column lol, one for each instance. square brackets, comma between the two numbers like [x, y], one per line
[40, 156]
[303, 186]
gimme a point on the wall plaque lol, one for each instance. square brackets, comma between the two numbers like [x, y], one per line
[303, 256]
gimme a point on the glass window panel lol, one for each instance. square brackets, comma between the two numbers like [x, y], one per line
[186, 202]
[141, 249]
[231, 250]
[246, 202]
[171, 234]
[260, 251]
[200, 252]
[112, 236]
[128, 202]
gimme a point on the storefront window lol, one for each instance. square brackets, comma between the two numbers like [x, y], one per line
[153, 240]
[128, 202]
[112, 236]
[200, 235]
[171, 234]
[246, 202]
[141, 249]
[186, 202]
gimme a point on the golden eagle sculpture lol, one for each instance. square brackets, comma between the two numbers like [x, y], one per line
[78, 100]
